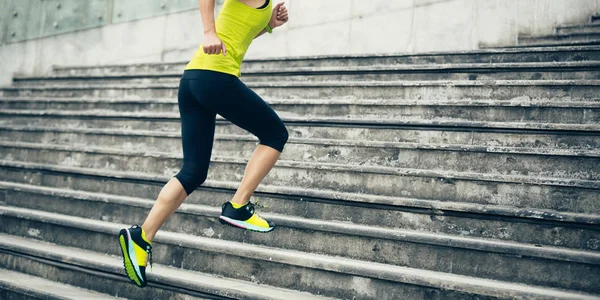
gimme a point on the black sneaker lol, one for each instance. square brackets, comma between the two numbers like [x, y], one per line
[137, 251]
[244, 217]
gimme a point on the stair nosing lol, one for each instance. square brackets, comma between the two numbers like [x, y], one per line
[323, 141]
[521, 102]
[227, 287]
[336, 83]
[397, 234]
[333, 167]
[591, 127]
[532, 49]
[402, 68]
[317, 261]
[58, 291]
[527, 213]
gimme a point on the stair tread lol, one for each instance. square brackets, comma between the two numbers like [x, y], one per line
[518, 102]
[291, 257]
[337, 120]
[336, 83]
[322, 57]
[351, 69]
[579, 152]
[181, 277]
[37, 286]
[535, 214]
[482, 244]
[466, 175]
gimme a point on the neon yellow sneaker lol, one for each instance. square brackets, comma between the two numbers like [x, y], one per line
[245, 217]
[137, 250]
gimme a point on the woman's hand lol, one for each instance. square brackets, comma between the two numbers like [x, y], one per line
[279, 16]
[212, 44]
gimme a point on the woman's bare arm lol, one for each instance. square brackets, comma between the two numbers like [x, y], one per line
[278, 17]
[212, 44]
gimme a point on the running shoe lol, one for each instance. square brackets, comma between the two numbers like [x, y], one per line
[244, 217]
[137, 251]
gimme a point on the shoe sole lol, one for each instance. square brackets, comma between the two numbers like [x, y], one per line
[243, 225]
[128, 264]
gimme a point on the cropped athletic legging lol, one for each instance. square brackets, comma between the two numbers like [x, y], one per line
[202, 95]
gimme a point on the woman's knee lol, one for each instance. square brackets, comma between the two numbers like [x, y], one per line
[276, 141]
[191, 176]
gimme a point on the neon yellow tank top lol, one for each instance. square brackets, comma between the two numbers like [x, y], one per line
[237, 25]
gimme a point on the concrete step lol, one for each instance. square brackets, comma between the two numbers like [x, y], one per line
[580, 29]
[363, 90]
[23, 286]
[171, 121]
[579, 164]
[435, 252]
[591, 38]
[565, 163]
[530, 190]
[480, 71]
[100, 132]
[509, 223]
[94, 270]
[573, 112]
[532, 54]
[327, 275]
[595, 19]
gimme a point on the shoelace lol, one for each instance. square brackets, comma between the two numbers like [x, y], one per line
[149, 260]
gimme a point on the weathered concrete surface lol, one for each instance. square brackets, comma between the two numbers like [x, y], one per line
[316, 27]
[63, 264]
[294, 269]
[23, 286]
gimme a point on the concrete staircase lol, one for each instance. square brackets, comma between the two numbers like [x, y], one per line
[464, 175]
[587, 34]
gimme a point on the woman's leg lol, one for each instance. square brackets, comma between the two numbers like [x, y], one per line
[169, 199]
[262, 161]
[197, 133]
[246, 109]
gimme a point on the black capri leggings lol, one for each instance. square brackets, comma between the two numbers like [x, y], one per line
[202, 95]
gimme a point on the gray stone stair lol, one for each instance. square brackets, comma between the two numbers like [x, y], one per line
[528, 225]
[565, 35]
[15, 285]
[535, 186]
[585, 38]
[293, 269]
[465, 175]
[488, 111]
[481, 71]
[484, 56]
[424, 251]
[97, 269]
[588, 28]
[361, 90]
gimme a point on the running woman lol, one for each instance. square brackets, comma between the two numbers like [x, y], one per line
[209, 86]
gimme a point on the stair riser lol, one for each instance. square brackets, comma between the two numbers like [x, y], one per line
[327, 283]
[467, 112]
[415, 255]
[497, 92]
[357, 133]
[358, 76]
[574, 167]
[245, 142]
[354, 181]
[117, 287]
[542, 56]
[14, 295]
[579, 30]
[554, 233]
[588, 39]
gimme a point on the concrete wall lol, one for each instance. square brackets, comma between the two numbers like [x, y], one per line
[316, 27]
